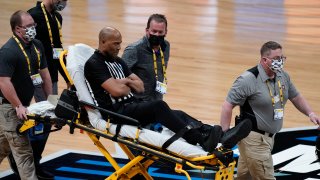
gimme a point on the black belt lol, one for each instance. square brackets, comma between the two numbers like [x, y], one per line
[5, 101]
[262, 132]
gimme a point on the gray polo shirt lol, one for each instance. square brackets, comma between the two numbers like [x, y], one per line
[256, 91]
[139, 58]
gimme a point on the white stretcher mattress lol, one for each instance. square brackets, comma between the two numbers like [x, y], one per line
[78, 54]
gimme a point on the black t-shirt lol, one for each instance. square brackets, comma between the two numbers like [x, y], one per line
[100, 68]
[43, 35]
[13, 64]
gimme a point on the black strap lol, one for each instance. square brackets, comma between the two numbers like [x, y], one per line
[73, 87]
[262, 132]
[47, 119]
[246, 110]
[220, 156]
[254, 71]
[175, 137]
[118, 128]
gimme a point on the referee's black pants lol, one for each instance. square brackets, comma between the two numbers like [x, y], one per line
[159, 111]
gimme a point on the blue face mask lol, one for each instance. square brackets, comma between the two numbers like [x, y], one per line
[60, 5]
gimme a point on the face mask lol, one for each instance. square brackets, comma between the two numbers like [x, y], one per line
[30, 33]
[276, 65]
[60, 5]
[155, 40]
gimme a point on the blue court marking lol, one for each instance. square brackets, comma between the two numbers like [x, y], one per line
[84, 171]
[97, 163]
[281, 174]
[311, 138]
[65, 178]
[234, 154]
[106, 173]
[171, 176]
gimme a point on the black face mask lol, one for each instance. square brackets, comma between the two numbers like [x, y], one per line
[155, 40]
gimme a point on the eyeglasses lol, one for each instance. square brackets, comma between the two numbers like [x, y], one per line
[29, 25]
[278, 58]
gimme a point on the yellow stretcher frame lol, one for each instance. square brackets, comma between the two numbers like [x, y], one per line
[136, 164]
[139, 164]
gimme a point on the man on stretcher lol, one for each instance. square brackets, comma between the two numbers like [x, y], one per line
[112, 83]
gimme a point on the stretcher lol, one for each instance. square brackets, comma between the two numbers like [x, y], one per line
[83, 113]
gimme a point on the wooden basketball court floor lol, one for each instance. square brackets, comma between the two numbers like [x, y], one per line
[212, 42]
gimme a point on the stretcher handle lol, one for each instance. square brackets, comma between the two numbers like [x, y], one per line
[47, 119]
[112, 113]
[62, 56]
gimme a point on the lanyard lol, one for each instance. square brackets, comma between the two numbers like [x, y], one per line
[162, 63]
[280, 91]
[48, 25]
[25, 54]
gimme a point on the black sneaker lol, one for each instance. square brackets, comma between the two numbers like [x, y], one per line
[232, 136]
[43, 174]
[211, 139]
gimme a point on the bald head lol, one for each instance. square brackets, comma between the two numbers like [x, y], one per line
[108, 33]
[110, 41]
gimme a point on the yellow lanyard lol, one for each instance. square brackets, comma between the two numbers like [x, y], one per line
[163, 65]
[48, 25]
[280, 91]
[25, 54]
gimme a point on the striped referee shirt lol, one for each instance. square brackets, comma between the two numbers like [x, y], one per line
[100, 68]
